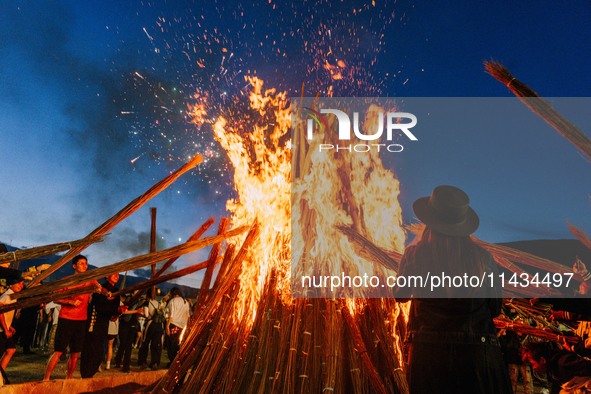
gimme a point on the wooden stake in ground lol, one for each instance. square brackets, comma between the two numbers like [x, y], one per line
[541, 107]
[153, 248]
[121, 215]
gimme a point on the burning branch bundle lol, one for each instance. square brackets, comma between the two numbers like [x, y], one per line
[526, 329]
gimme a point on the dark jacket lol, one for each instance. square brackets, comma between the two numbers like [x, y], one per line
[452, 342]
[455, 314]
[101, 310]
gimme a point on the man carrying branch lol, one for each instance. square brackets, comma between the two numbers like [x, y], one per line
[71, 326]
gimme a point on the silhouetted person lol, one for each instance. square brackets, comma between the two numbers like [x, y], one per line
[453, 347]
[128, 326]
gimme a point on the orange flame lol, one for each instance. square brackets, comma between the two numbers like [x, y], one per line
[265, 191]
[262, 178]
[352, 189]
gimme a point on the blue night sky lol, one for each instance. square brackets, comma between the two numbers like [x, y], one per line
[93, 99]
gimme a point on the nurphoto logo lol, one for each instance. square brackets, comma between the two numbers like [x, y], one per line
[379, 136]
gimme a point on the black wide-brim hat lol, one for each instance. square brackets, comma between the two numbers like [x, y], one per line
[447, 211]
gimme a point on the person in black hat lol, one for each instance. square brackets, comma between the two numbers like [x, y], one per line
[452, 343]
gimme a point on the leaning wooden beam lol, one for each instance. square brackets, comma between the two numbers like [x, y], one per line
[121, 215]
[163, 278]
[368, 250]
[500, 253]
[519, 256]
[512, 254]
[196, 235]
[213, 256]
[46, 250]
[541, 107]
[129, 264]
[45, 298]
[180, 365]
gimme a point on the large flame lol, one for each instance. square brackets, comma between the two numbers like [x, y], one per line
[262, 178]
[292, 191]
[342, 189]
[353, 190]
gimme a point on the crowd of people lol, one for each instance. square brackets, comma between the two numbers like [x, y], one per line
[99, 329]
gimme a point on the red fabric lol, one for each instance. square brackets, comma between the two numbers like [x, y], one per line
[79, 312]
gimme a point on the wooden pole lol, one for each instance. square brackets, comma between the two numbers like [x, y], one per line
[129, 264]
[367, 249]
[121, 215]
[196, 235]
[44, 298]
[45, 250]
[213, 255]
[153, 248]
[162, 278]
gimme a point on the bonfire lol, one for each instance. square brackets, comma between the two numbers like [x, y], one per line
[295, 213]
[250, 334]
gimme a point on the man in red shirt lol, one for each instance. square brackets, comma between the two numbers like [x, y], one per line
[71, 325]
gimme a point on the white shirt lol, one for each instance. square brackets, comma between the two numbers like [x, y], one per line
[113, 327]
[150, 310]
[52, 307]
[179, 311]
